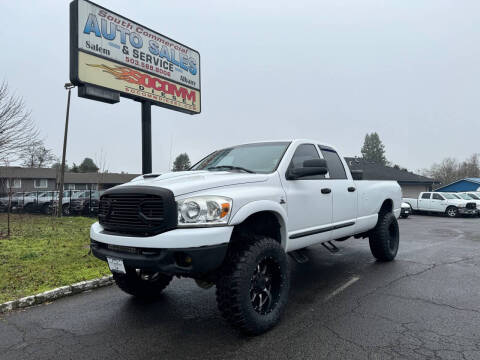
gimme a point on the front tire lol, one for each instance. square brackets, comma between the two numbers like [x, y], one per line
[451, 211]
[253, 291]
[142, 284]
[385, 238]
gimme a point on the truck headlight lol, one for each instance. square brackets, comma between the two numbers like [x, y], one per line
[204, 211]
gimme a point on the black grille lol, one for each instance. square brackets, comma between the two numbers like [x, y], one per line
[471, 206]
[138, 210]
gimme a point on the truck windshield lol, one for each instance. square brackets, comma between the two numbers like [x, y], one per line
[464, 196]
[260, 158]
[450, 196]
[473, 196]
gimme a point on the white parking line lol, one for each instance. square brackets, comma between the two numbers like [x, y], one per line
[343, 287]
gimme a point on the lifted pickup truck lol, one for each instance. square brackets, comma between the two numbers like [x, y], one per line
[231, 219]
[442, 202]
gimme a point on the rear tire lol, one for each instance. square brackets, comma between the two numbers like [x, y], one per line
[451, 211]
[47, 209]
[66, 210]
[384, 239]
[142, 284]
[252, 293]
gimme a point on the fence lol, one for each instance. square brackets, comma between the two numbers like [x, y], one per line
[75, 202]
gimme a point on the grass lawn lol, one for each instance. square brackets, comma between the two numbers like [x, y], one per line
[44, 252]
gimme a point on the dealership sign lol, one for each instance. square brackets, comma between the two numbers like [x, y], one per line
[114, 53]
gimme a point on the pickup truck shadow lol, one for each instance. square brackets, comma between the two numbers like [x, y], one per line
[186, 311]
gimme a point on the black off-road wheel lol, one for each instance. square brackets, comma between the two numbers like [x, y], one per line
[142, 284]
[252, 292]
[384, 239]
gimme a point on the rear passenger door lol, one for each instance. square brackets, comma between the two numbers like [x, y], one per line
[344, 194]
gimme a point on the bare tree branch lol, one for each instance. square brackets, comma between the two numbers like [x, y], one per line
[17, 129]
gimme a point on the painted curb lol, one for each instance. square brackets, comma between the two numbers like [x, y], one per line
[57, 293]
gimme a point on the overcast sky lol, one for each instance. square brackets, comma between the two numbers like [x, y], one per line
[330, 70]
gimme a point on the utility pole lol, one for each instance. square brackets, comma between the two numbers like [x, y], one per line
[69, 87]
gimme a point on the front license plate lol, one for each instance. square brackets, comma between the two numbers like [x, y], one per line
[116, 265]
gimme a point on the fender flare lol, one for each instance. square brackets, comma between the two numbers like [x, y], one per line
[260, 206]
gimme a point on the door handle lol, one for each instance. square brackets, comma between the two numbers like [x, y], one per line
[351, 189]
[326, 191]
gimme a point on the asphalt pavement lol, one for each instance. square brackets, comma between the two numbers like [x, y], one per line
[423, 305]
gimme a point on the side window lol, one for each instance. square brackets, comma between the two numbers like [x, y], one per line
[336, 170]
[426, 196]
[437, 197]
[305, 152]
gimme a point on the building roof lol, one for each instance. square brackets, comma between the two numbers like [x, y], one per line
[70, 178]
[461, 185]
[373, 171]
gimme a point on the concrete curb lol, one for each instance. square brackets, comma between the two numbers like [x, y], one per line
[57, 293]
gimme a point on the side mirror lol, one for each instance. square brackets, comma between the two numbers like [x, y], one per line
[357, 174]
[310, 168]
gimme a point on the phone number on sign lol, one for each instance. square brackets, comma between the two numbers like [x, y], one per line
[149, 67]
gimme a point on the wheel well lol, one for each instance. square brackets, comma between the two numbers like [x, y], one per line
[262, 223]
[387, 206]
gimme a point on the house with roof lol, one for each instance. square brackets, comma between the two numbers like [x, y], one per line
[412, 184]
[467, 184]
[20, 179]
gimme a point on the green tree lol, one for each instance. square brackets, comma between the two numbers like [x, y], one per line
[57, 165]
[181, 163]
[75, 168]
[373, 149]
[88, 165]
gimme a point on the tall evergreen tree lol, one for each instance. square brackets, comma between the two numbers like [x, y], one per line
[373, 149]
[181, 163]
[87, 165]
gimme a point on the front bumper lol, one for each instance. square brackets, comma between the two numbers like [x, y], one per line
[465, 211]
[167, 251]
[191, 262]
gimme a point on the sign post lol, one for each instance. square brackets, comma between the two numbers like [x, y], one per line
[146, 137]
[113, 56]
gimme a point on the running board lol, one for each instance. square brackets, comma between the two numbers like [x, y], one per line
[299, 256]
[330, 247]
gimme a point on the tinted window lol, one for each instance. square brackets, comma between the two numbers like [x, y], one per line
[426, 196]
[437, 197]
[336, 170]
[305, 152]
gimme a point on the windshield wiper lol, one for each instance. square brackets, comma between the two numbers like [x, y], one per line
[229, 167]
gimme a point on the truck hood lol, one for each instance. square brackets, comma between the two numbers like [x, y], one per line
[184, 182]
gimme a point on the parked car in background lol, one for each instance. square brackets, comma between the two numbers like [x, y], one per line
[474, 194]
[38, 201]
[468, 197]
[441, 202]
[405, 210]
[80, 202]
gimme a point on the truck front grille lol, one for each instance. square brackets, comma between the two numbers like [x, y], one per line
[141, 211]
[471, 206]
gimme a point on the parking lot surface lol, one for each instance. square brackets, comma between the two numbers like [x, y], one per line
[424, 305]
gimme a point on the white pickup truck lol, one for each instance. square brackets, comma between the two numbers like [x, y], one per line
[442, 202]
[231, 219]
